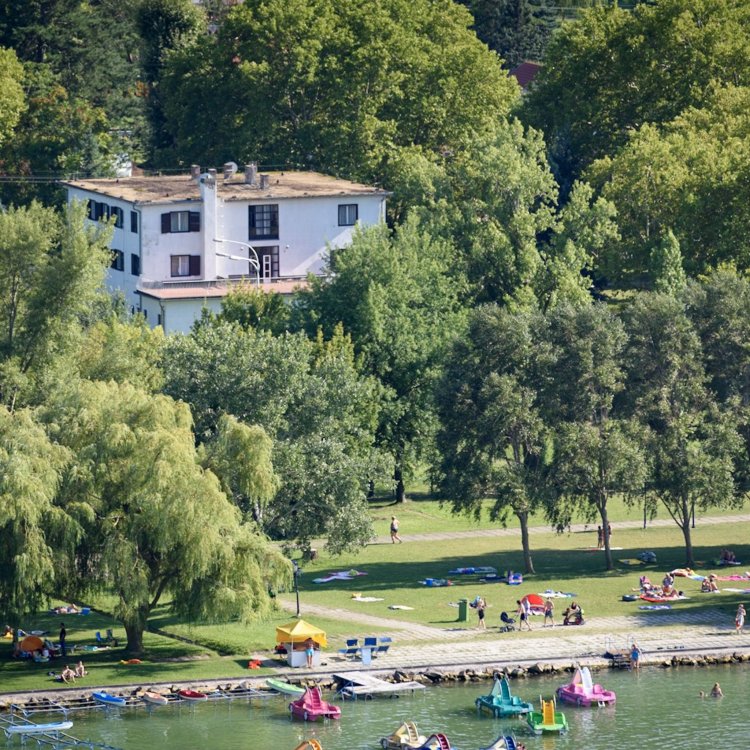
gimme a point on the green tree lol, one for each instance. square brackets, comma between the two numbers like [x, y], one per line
[153, 522]
[12, 99]
[583, 230]
[51, 268]
[493, 440]
[611, 71]
[31, 523]
[695, 444]
[241, 456]
[340, 87]
[596, 454]
[687, 176]
[394, 295]
[666, 266]
[164, 26]
[253, 307]
[493, 197]
[311, 400]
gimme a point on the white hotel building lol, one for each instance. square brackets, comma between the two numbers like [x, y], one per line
[181, 242]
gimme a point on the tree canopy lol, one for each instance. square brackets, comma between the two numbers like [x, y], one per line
[339, 87]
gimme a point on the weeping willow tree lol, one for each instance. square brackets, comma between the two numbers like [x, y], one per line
[30, 467]
[153, 522]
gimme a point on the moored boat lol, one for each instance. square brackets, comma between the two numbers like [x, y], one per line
[49, 728]
[312, 707]
[501, 702]
[285, 687]
[548, 719]
[107, 699]
[155, 699]
[192, 695]
[582, 691]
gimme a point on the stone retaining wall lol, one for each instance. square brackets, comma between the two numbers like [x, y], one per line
[426, 676]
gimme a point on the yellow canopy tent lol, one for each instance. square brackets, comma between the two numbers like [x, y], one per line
[298, 632]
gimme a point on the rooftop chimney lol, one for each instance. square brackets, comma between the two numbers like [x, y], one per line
[195, 171]
[229, 169]
[251, 171]
[264, 182]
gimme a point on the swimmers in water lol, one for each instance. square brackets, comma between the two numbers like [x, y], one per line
[716, 691]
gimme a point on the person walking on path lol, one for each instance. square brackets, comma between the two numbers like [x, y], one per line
[481, 606]
[523, 612]
[739, 619]
[394, 531]
[635, 657]
[63, 636]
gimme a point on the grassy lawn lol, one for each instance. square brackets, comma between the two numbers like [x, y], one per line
[182, 651]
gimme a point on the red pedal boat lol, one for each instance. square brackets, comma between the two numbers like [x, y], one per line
[192, 695]
[312, 707]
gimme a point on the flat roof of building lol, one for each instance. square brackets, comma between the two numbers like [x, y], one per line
[178, 188]
[205, 290]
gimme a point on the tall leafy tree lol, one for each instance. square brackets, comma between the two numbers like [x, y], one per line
[695, 444]
[32, 525]
[394, 295]
[685, 175]
[340, 87]
[12, 98]
[666, 266]
[611, 71]
[493, 441]
[256, 308]
[597, 455]
[310, 399]
[51, 268]
[151, 521]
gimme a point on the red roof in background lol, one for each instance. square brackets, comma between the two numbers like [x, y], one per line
[525, 73]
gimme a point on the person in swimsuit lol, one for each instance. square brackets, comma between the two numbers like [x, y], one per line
[394, 531]
[716, 691]
[635, 657]
[739, 619]
[309, 652]
[481, 607]
[549, 613]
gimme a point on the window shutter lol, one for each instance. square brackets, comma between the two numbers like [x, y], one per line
[166, 223]
[195, 265]
[194, 221]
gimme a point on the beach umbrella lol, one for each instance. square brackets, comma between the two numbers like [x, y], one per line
[31, 643]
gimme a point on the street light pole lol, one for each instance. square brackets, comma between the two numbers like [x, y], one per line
[296, 584]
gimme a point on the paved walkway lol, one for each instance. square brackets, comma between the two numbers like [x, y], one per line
[437, 536]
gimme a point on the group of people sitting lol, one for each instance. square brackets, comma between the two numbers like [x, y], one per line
[709, 585]
[70, 675]
[665, 591]
[727, 557]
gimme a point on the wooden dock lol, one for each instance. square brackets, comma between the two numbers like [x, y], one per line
[363, 685]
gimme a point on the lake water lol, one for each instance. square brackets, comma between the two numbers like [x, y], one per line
[655, 709]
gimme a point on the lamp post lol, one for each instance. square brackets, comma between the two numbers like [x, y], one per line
[297, 571]
[252, 258]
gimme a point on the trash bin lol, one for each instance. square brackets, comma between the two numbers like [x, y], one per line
[463, 610]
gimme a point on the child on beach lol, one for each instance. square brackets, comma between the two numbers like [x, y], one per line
[739, 619]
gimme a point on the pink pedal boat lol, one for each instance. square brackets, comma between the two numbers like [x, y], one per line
[583, 692]
[312, 707]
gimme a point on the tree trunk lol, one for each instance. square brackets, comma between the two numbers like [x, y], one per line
[605, 530]
[400, 490]
[134, 630]
[523, 519]
[687, 534]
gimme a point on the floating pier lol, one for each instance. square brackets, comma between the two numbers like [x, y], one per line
[364, 685]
